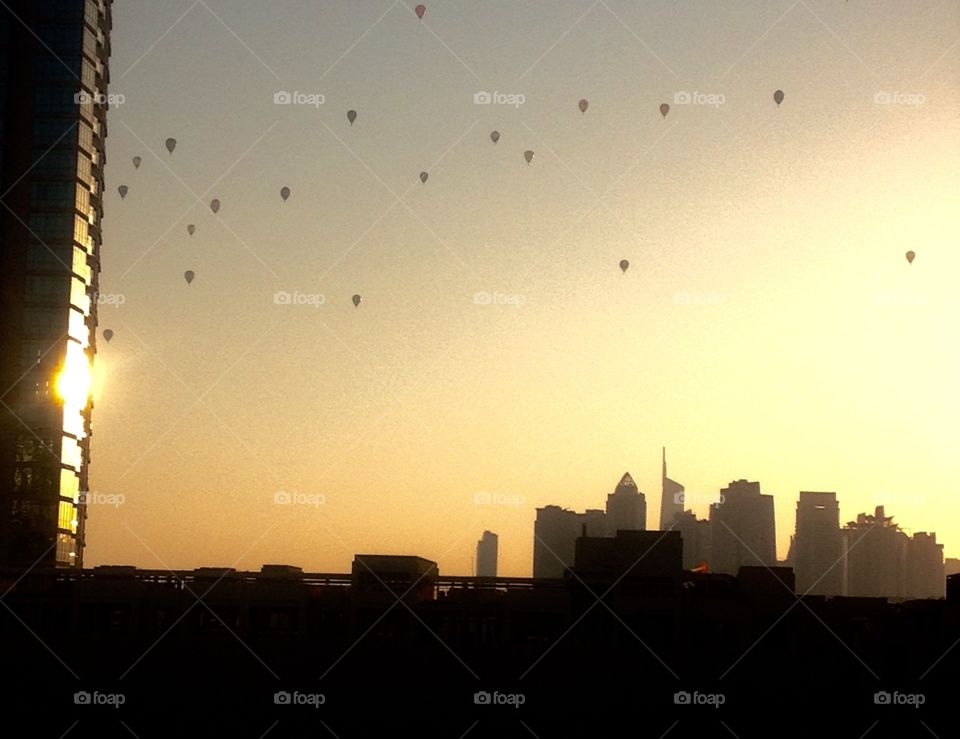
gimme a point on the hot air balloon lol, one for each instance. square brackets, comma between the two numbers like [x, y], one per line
[494, 136]
[171, 145]
[583, 105]
[136, 162]
[214, 205]
[664, 109]
[356, 300]
[351, 116]
[423, 177]
[528, 155]
[188, 276]
[285, 193]
[108, 334]
[191, 228]
[778, 97]
[420, 10]
[123, 189]
[624, 265]
[910, 256]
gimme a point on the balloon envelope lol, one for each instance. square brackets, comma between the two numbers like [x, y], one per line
[188, 276]
[191, 228]
[778, 97]
[171, 145]
[910, 256]
[624, 264]
[528, 155]
[423, 177]
[108, 334]
[494, 136]
[351, 116]
[123, 189]
[583, 105]
[136, 162]
[420, 10]
[356, 300]
[285, 193]
[664, 109]
[214, 205]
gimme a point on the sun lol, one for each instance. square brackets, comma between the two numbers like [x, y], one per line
[75, 380]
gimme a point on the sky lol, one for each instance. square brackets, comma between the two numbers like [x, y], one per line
[768, 327]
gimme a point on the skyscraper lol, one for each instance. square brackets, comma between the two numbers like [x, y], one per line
[626, 507]
[53, 85]
[671, 497]
[817, 547]
[487, 555]
[742, 528]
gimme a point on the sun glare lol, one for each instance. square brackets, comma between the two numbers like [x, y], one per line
[76, 378]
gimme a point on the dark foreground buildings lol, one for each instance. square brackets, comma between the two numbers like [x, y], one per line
[626, 639]
[53, 86]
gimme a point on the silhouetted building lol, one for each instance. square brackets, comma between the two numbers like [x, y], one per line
[671, 497]
[924, 576]
[875, 556]
[626, 507]
[816, 551]
[487, 555]
[742, 529]
[402, 575]
[630, 554]
[555, 533]
[696, 539]
[53, 85]
[556, 529]
[951, 566]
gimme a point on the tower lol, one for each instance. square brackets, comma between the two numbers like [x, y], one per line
[671, 497]
[53, 107]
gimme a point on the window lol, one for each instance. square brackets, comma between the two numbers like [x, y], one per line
[66, 549]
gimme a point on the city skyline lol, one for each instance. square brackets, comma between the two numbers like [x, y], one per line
[333, 380]
[749, 225]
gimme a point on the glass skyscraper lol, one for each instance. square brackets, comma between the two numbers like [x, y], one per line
[53, 104]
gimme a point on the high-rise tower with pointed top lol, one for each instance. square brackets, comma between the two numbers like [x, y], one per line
[671, 497]
[626, 507]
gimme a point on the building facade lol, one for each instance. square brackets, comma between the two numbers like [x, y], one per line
[53, 103]
[742, 529]
[487, 555]
[816, 552]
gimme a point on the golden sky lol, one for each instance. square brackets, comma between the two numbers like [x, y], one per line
[769, 326]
